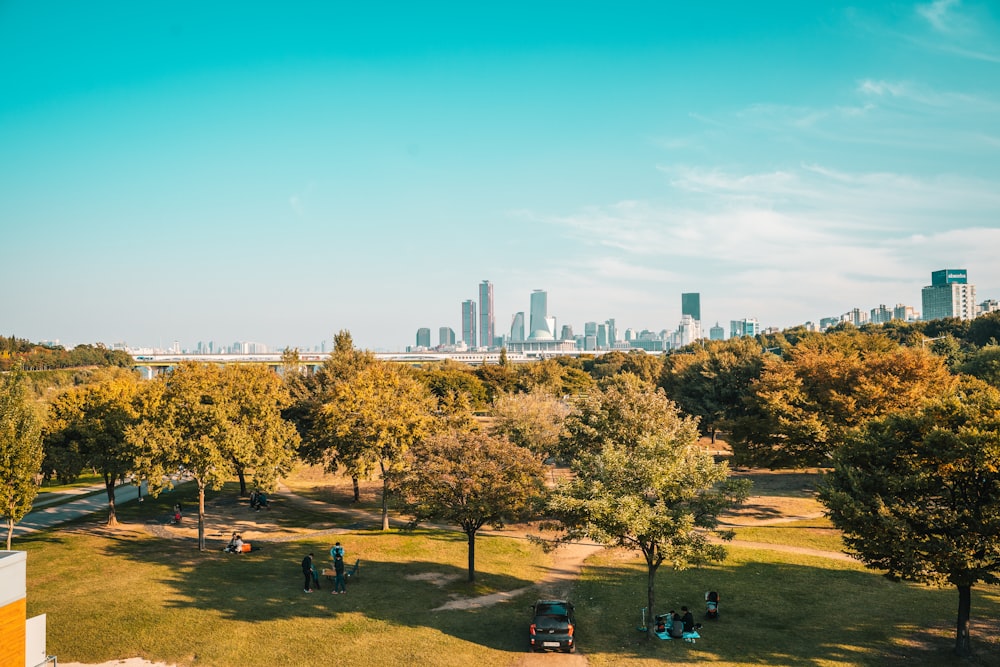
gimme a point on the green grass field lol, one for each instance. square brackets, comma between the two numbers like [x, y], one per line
[122, 594]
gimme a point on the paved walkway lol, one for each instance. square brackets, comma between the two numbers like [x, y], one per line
[86, 500]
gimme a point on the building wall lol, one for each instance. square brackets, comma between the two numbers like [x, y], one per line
[13, 608]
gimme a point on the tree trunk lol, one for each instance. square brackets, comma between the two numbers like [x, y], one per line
[385, 503]
[201, 515]
[109, 486]
[357, 488]
[243, 481]
[650, 598]
[10, 532]
[472, 554]
[963, 645]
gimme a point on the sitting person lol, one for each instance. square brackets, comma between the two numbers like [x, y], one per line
[687, 620]
[235, 545]
[676, 629]
[259, 500]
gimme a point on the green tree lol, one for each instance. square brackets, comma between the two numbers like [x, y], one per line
[311, 392]
[373, 419]
[917, 494]
[984, 364]
[658, 493]
[197, 421]
[87, 427]
[984, 330]
[714, 382]
[472, 480]
[20, 449]
[449, 377]
[533, 421]
[622, 409]
[255, 398]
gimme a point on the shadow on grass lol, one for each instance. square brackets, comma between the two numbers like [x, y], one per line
[267, 585]
[785, 613]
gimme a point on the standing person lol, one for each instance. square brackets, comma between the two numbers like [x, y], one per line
[177, 513]
[307, 571]
[336, 550]
[340, 581]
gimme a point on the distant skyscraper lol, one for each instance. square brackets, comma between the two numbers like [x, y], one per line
[423, 337]
[517, 328]
[949, 295]
[745, 327]
[881, 315]
[567, 332]
[612, 332]
[542, 326]
[691, 305]
[469, 323]
[717, 333]
[487, 321]
[446, 336]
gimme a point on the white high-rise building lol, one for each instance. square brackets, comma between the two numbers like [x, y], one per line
[949, 295]
[542, 326]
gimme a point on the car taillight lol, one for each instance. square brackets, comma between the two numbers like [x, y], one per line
[532, 629]
[570, 632]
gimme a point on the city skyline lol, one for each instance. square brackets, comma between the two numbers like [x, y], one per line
[232, 172]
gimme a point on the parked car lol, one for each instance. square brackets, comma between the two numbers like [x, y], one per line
[552, 627]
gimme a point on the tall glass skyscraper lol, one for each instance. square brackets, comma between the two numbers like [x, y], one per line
[469, 323]
[487, 320]
[541, 325]
[517, 328]
[691, 305]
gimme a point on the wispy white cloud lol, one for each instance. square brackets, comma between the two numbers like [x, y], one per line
[816, 240]
[940, 15]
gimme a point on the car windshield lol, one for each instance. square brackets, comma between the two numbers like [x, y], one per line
[551, 609]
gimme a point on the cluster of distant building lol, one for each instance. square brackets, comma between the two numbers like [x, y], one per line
[948, 295]
[536, 332]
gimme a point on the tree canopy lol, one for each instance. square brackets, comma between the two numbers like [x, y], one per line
[87, 429]
[469, 479]
[206, 421]
[20, 449]
[650, 489]
[804, 405]
[534, 420]
[372, 420]
[917, 494]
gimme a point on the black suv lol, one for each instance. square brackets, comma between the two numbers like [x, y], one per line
[552, 626]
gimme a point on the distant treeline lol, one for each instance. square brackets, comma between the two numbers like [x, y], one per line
[33, 356]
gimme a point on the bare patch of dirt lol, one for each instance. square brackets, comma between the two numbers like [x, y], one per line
[436, 578]
[777, 496]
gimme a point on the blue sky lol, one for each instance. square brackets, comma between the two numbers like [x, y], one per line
[235, 171]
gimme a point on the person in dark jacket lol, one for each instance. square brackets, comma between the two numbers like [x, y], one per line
[307, 572]
[340, 581]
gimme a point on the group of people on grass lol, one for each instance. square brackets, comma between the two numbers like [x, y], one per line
[311, 574]
[675, 624]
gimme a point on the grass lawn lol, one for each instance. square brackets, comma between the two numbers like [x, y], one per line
[86, 479]
[125, 593]
[810, 533]
[779, 609]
